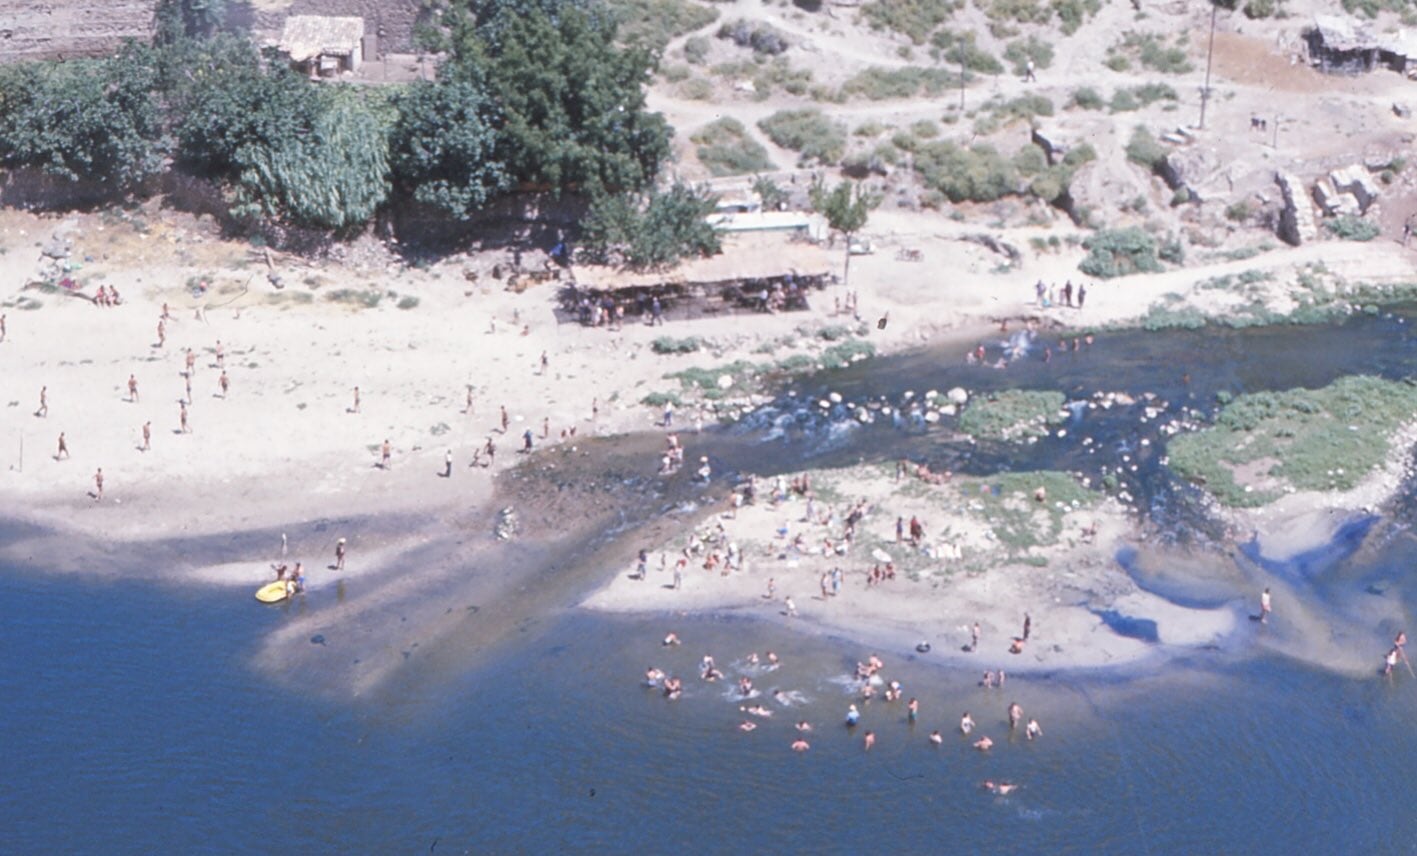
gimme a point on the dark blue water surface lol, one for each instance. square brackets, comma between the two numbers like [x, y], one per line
[134, 719]
[130, 722]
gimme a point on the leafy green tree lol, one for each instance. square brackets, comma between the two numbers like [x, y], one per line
[572, 101]
[653, 231]
[445, 146]
[85, 119]
[846, 207]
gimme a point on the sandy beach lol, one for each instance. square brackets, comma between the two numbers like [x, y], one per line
[284, 453]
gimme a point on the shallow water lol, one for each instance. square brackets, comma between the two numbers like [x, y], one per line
[132, 718]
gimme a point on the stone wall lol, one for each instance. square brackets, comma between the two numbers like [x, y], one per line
[63, 29]
[391, 20]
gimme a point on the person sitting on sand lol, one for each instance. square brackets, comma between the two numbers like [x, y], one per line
[984, 744]
[1017, 646]
[800, 745]
[966, 723]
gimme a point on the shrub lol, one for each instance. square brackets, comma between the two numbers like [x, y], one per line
[762, 38]
[1239, 212]
[670, 345]
[653, 230]
[961, 49]
[808, 132]
[1119, 252]
[1144, 149]
[915, 19]
[877, 84]
[773, 196]
[696, 89]
[1019, 52]
[1123, 101]
[1351, 228]
[1086, 98]
[652, 24]
[696, 50]
[924, 129]
[407, 302]
[1012, 414]
[726, 148]
[978, 174]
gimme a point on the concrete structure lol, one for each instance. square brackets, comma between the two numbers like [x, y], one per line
[1345, 45]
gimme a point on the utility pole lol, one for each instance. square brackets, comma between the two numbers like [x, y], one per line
[1209, 56]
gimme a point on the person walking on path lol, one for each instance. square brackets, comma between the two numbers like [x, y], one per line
[43, 410]
[1028, 75]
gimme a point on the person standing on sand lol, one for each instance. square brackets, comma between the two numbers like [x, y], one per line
[355, 408]
[974, 637]
[43, 410]
[448, 464]
[2, 326]
[491, 451]
[147, 436]
[506, 422]
[224, 382]
[545, 427]
[468, 408]
[385, 453]
[98, 485]
[191, 359]
[1082, 295]
[220, 355]
[339, 555]
[526, 440]
[63, 451]
[183, 416]
[1265, 606]
[161, 332]
[668, 414]
[1027, 625]
[791, 611]
[133, 388]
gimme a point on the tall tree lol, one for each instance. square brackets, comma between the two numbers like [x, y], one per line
[846, 207]
[652, 231]
[445, 146]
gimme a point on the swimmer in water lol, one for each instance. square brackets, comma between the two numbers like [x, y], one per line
[1015, 715]
[870, 740]
[653, 676]
[800, 745]
[781, 698]
[745, 686]
[984, 744]
[853, 716]
[673, 688]
[671, 639]
[912, 710]
[1034, 729]
[804, 726]
[745, 725]
[936, 738]
[753, 659]
[966, 724]
[757, 710]
[772, 658]
[999, 788]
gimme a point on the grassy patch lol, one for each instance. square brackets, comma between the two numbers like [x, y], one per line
[653, 23]
[725, 147]
[671, 345]
[1322, 439]
[1012, 414]
[914, 19]
[1152, 52]
[355, 297]
[808, 132]
[1118, 252]
[878, 84]
[1021, 523]
[1351, 228]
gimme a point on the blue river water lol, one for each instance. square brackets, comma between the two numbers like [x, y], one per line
[131, 722]
[133, 718]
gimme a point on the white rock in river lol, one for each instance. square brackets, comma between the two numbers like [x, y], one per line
[835, 398]
[958, 395]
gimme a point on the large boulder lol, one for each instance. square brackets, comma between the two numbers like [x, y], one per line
[1296, 218]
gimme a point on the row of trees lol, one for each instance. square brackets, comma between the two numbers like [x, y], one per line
[534, 93]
